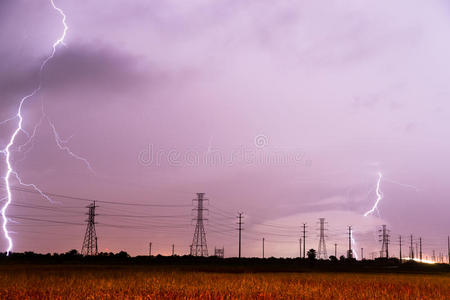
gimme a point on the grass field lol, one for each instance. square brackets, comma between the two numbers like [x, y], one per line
[82, 282]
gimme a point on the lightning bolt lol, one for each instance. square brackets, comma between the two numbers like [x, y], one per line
[7, 151]
[61, 145]
[405, 185]
[354, 246]
[379, 196]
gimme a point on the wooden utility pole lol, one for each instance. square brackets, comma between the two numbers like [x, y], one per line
[304, 240]
[240, 229]
[420, 248]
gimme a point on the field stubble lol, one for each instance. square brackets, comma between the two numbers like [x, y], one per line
[71, 282]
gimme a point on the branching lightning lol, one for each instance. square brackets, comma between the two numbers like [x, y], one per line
[379, 196]
[8, 150]
[10, 171]
[59, 41]
[405, 185]
[61, 145]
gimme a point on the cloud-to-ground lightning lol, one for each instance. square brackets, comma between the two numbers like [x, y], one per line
[353, 244]
[354, 248]
[10, 171]
[379, 196]
[8, 150]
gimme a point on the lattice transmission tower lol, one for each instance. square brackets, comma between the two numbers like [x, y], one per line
[90, 237]
[322, 249]
[199, 246]
[384, 239]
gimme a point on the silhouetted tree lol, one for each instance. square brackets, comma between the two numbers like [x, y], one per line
[72, 252]
[123, 254]
[311, 254]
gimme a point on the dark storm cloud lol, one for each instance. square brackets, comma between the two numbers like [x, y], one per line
[89, 66]
[84, 70]
[100, 68]
[5, 6]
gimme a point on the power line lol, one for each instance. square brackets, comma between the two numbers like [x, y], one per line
[143, 216]
[48, 221]
[54, 195]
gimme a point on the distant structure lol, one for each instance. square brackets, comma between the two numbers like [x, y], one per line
[219, 252]
[90, 238]
[448, 248]
[199, 246]
[420, 248]
[349, 251]
[384, 239]
[304, 240]
[240, 232]
[322, 249]
[411, 248]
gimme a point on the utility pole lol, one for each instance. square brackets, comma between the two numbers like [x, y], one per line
[199, 246]
[150, 249]
[349, 252]
[173, 249]
[400, 241]
[362, 253]
[420, 248]
[90, 238]
[263, 249]
[240, 229]
[411, 248]
[384, 238]
[322, 249]
[304, 240]
[448, 248]
[335, 250]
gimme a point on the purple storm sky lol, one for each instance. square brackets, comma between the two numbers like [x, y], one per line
[284, 110]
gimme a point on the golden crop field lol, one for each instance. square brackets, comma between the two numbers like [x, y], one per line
[74, 282]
